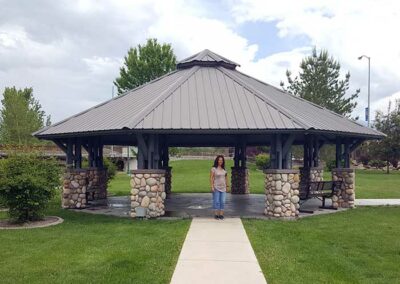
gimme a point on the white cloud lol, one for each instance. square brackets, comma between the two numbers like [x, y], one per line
[71, 51]
[347, 29]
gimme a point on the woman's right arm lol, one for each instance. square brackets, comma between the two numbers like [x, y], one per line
[212, 180]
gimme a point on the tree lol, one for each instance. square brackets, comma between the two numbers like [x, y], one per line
[388, 149]
[319, 82]
[20, 115]
[145, 63]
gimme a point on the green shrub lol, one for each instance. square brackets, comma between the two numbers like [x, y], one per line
[262, 161]
[377, 163]
[111, 168]
[27, 184]
[331, 164]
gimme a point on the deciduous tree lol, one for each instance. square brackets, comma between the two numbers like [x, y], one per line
[145, 63]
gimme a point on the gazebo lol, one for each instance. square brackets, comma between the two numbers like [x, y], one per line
[206, 102]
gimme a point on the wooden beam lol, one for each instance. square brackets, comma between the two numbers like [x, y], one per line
[288, 144]
[61, 145]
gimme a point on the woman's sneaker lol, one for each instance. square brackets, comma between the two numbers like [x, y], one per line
[216, 217]
[221, 217]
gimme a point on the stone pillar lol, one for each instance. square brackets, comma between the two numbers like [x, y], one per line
[148, 191]
[240, 180]
[168, 180]
[345, 197]
[97, 183]
[311, 174]
[282, 193]
[74, 188]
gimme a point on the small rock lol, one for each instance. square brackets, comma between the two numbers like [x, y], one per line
[286, 188]
[151, 181]
[145, 201]
[74, 184]
[278, 197]
[294, 199]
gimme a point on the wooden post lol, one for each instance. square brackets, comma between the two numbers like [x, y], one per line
[310, 152]
[243, 156]
[70, 155]
[78, 153]
[236, 157]
[279, 151]
[347, 154]
[272, 152]
[305, 153]
[316, 151]
[338, 153]
[101, 158]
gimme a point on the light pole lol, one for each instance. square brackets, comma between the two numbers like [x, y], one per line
[369, 84]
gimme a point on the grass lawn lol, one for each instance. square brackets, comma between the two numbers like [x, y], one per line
[193, 176]
[90, 248]
[375, 183]
[120, 185]
[356, 246]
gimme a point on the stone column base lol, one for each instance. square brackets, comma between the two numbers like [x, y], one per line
[282, 193]
[240, 180]
[74, 188]
[97, 183]
[148, 192]
[345, 197]
[311, 174]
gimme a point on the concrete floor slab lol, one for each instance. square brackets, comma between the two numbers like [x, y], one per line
[222, 253]
[188, 205]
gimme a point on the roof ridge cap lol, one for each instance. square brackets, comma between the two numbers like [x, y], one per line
[165, 94]
[265, 99]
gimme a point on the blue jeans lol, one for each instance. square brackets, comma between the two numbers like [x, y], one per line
[219, 199]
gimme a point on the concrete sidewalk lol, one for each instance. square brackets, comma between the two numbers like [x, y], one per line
[377, 202]
[217, 251]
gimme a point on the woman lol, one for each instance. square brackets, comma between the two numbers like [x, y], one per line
[219, 186]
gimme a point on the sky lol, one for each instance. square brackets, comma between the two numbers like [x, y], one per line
[70, 52]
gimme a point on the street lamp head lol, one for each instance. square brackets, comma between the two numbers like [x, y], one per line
[361, 57]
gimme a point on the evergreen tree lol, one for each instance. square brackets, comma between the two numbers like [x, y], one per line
[388, 149]
[319, 82]
[145, 63]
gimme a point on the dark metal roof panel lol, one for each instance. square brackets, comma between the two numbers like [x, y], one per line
[209, 99]
[314, 116]
[117, 112]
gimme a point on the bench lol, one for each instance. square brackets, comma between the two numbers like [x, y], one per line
[320, 190]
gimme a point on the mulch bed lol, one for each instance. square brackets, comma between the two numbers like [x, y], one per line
[46, 222]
